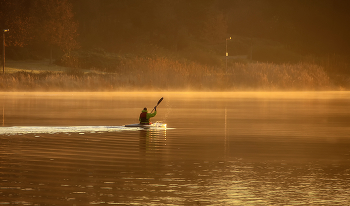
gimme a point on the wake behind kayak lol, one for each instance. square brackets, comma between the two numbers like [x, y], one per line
[58, 129]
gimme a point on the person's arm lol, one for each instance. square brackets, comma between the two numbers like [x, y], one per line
[149, 115]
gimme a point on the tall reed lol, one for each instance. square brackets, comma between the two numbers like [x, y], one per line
[154, 74]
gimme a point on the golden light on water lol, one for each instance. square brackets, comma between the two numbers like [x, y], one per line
[256, 109]
[225, 147]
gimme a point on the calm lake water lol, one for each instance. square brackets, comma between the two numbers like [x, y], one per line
[219, 149]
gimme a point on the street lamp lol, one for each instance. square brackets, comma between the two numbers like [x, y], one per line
[3, 50]
[227, 52]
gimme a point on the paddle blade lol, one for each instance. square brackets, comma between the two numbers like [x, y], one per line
[161, 99]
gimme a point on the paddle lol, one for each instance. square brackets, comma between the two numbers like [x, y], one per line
[161, 99]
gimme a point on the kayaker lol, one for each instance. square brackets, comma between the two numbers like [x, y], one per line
[145, 116]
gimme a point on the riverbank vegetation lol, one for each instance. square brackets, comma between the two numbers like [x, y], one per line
[162, 74]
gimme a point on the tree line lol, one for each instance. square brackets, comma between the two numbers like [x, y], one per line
[306, 26]
[39, 23]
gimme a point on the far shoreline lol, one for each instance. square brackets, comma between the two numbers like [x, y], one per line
[166, 75]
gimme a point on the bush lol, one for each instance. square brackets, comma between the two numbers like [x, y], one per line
[96, 59]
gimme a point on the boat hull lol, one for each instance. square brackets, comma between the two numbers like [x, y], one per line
[154, 125]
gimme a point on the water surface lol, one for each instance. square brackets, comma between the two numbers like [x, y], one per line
[219, 149]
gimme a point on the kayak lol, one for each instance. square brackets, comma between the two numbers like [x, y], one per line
[152, 126]
[157, 125]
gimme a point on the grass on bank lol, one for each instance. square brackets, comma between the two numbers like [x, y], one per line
[36, 66]
[159, 74]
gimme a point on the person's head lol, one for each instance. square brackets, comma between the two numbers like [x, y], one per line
[145, 108]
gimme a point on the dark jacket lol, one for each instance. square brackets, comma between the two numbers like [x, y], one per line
[145, 117]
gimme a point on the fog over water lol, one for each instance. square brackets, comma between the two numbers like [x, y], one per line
[239, 148]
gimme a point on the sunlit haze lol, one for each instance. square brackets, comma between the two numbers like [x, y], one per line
[175, 102]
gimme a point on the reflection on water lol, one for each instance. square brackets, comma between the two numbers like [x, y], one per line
[227, 149]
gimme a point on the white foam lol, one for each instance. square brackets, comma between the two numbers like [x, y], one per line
[53, 130]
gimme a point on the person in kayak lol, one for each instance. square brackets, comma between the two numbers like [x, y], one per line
[145, 116]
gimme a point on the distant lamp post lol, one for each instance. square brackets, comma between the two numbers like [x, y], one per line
[227, 52]
[3, 50]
